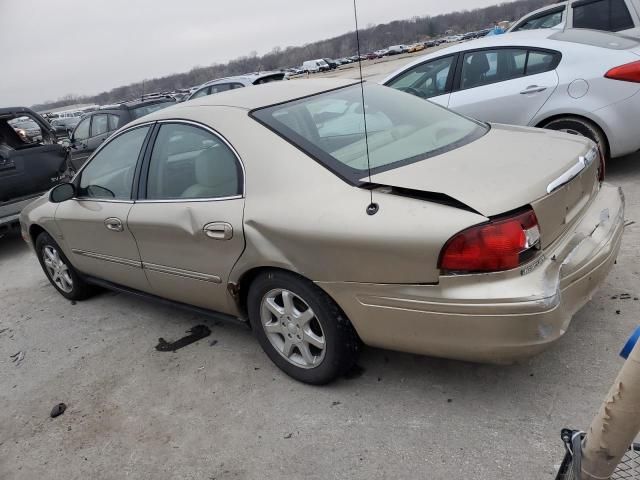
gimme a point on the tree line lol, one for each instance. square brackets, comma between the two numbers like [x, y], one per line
[372, 38]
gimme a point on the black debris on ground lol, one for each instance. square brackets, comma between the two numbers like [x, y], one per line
[58, 410]
[288, 436]
[196, 333]
[213, 342]
[617, 312]
[333, 404]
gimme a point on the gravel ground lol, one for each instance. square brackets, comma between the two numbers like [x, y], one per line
[218, 409]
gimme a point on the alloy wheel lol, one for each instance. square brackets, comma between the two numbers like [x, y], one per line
[57, 269]
[292, 327]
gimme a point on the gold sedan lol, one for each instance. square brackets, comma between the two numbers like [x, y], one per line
[433, 233]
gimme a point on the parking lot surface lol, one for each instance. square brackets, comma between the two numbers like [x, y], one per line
[219, 409]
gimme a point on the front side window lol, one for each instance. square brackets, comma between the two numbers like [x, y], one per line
[99, 125]
[221, 87]
[608, 15]
[426, 80]
[490, 66]
[189, 162]
[82, 130]
[548, 20]
[329, 127]
[109, 174]
[201, 93]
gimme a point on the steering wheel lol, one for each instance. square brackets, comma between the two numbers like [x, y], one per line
[414, 91]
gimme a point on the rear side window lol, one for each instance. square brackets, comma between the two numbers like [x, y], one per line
[222, 87]
[608, 15]
[490, 66]
[201, 93]
[189, 162]
[539, 62]
[99, 125]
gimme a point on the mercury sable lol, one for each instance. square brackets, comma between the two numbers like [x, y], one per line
[435, 234]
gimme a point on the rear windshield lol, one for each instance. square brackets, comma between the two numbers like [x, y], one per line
[330, 128]
[147, 109]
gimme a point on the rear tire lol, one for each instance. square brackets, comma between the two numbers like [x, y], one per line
[59, 270]
[581, 127]
[300, 328]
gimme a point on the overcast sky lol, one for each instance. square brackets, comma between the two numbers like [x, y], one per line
[53, 48]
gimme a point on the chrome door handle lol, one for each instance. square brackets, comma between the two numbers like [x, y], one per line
[114, 224]
[532, 89]
[218, 230]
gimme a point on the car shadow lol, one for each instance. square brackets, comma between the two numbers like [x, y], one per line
[12, 244]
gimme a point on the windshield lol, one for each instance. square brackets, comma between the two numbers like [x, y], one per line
[330, 128]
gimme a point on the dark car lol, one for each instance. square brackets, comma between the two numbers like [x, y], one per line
[96, 127]
[31, 161]
[332, 63]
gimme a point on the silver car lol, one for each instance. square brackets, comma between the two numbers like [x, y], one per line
[582, 82]
[231, 83]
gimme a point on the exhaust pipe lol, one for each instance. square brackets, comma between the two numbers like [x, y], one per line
[618, 421]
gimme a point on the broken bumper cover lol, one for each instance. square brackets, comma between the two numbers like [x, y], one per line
[497, 317]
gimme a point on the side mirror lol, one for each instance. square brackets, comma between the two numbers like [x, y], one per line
[62, 193]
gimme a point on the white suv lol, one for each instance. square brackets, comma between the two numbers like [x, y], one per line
[607, 15]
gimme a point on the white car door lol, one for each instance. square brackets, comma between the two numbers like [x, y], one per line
[430, 80]
[504, 85]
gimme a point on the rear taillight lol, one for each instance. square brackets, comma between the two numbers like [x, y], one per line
[629, 72]
[501, 244]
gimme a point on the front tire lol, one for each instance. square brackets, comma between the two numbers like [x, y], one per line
[301, 328]
[580, 127]
[59, 270]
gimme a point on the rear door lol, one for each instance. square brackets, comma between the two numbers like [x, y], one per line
[188, 219]
[94, 225]
[504, 85]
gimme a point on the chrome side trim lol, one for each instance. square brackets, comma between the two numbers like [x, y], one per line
[108, 258]
[190, 200]
[181, 273]
[582, 163]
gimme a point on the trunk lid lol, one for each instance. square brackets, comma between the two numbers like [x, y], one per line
[508, 168]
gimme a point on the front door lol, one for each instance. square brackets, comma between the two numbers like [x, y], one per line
[505, 85]
[188, 221]
[94, 225]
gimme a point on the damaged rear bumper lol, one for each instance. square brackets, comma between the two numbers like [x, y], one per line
[497, 317]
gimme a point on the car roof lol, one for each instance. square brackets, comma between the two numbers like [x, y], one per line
[259, 96]
[246, 78]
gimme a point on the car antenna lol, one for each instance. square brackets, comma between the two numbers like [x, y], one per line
[373, 207]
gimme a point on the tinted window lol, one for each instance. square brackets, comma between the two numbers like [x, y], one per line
[548, 20]
[109, 174]
[99, 125]
[113, 122]
[491, 66]
[330, 128]
[426, 80]
[189, 162]
[147, 109]
[610, 15]
[82, 130]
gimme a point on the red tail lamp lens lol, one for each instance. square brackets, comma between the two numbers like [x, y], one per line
[629, 72]
[501, 244]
